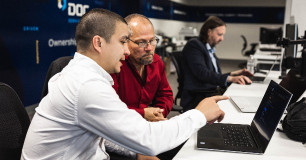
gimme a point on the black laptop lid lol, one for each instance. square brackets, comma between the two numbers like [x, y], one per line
[269, 113]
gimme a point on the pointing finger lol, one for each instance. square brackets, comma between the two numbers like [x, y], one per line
[219, 98]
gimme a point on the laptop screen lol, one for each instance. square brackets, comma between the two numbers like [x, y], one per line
[269, 113]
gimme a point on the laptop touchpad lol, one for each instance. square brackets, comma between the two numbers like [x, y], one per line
[213, 134]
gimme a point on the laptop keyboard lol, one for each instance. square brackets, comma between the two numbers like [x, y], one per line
[236, 136]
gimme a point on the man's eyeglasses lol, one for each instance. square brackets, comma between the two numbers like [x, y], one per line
[144, 44]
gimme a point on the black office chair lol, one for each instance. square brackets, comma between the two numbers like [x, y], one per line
[245, 44]
[55, 67]
[14, 122]
[245, 52]
[176, 60]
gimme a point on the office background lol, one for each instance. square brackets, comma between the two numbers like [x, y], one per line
[36, 32]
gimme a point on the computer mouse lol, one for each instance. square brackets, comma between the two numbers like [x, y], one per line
[246, 83]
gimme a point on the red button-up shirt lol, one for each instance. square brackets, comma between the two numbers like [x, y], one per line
[138, 93]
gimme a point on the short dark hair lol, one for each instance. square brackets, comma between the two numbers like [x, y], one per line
[99, 22]
[211, 22]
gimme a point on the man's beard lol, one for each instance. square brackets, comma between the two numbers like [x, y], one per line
[146, 60]
[214, 44]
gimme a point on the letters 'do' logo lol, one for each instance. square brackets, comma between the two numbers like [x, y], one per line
[62, 5]
[74, 9]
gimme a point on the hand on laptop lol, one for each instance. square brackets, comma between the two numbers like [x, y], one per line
[239, 79]
[243, 72]
[210, 108]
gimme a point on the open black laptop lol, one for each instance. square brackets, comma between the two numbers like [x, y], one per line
[260, 79]
[252, 138]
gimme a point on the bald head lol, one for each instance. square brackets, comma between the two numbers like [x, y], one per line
[138, 22]
[135, 17]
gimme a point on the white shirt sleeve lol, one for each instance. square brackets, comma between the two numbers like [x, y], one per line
[100, 111]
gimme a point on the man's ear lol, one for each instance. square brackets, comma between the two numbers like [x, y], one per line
[97, 42]
[209, 31]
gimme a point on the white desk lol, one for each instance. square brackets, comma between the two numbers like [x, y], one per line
[279, 148]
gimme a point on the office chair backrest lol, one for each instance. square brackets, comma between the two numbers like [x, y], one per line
[55, 67]
[176, 58]
[14, 122]
[245, 45]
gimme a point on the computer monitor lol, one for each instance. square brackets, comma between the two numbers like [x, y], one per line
[270, 35]
[291, 34]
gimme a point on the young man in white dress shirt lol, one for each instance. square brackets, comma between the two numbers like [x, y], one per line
[81, 106]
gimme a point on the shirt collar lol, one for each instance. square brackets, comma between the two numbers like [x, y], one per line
[94, 65]
[209, 49]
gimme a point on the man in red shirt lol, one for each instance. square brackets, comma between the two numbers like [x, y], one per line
[142, 83]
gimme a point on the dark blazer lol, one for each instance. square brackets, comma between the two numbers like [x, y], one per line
[199, 72]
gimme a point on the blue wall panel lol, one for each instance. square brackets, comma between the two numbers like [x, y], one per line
[48, 23]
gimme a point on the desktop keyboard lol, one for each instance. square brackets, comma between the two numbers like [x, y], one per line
[236, 136]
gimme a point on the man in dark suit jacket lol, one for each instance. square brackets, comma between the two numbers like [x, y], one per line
[201, 69]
